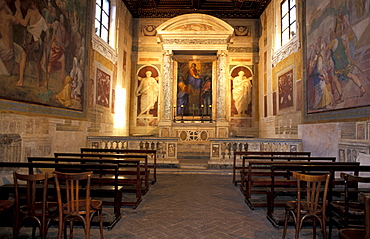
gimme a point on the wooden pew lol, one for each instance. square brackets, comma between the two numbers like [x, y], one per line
[265, 153]
[256, 176]
[100, 186]
[124, 171]
[129, 151]
[289, 188]
[129, 183]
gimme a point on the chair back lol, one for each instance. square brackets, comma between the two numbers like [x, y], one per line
[72, 201]
[316, 189]
[34, 206]
[32, 199]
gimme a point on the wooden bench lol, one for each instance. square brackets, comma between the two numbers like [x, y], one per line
[265, 153]
[152, 153]
[99, 187]
[256, 176]
[289, 187]
[129, 184]
[124, 171]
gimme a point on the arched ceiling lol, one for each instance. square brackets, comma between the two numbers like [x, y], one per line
[244, 9]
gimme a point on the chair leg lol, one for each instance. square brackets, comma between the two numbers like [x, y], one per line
[297, 227]
[101, 223]
[323, 228]
[61, 227]
[286, 218]
[314, 228]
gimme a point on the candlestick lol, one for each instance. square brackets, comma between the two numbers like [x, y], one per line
[201, 110]
[182, 113]
[210, 114]
[174, 113]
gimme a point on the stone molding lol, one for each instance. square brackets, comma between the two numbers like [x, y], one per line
[292, 47]
[103, 48]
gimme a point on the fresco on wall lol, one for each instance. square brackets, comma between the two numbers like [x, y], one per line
[241, 91]
[285, 84]
[194, 88]
[147, 92]
[337, 55]
[103, 82]
[42, 52]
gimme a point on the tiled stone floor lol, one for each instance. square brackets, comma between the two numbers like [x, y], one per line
[188, 206]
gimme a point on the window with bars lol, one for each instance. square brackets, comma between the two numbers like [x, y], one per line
[288, 20]
[102, 19]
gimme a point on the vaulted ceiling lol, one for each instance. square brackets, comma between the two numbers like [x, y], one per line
[245, 9]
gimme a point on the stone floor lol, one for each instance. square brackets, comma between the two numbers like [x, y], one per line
[186, 205]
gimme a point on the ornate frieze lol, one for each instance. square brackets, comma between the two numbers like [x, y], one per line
[243, 49]
[195, 41]
[292, 47]
[103, 48]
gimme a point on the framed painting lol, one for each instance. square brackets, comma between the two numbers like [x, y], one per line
[194, 88]
[337, 83]
[285, 87]
[42, 59]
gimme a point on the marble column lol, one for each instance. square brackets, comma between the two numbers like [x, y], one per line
[167, 85]
[221, 86]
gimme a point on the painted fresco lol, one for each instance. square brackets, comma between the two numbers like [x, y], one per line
[194, 88]
[285, 83]
[241, 91]
[103, 82]
[42, 52]
[337, 55]
[147, 92]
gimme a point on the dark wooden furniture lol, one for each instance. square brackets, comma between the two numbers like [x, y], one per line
[357, 233]
[311, 202]
[104, 180]
[256, 176]
[144, 171]
[148, 152]
[289, 188]
[101, 187]
[350, 212]
[74, 202]
[33, 207]
[252, 153]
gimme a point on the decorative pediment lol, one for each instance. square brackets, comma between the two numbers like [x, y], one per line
[195, 24]
[195, 29]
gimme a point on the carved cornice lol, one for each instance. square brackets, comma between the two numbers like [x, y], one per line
[195, 41]
[292, 47]
[103, 48]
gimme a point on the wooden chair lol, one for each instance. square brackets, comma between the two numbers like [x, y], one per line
[310, 205]
[34, 207]
[73, 204]
[357, 233]
[349, 212]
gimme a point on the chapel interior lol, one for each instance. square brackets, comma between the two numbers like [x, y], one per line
[222, 38]
[194, 80]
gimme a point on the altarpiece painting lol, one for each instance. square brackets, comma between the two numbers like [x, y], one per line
[337, 69]
[43, 52]
[194, 88]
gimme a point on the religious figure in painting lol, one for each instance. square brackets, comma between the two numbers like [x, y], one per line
[36, 25]
[182, 95]
[194, 83]
[242, 92]
[336, 75]
[10, 52]
[148, 92]
[206, 95]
